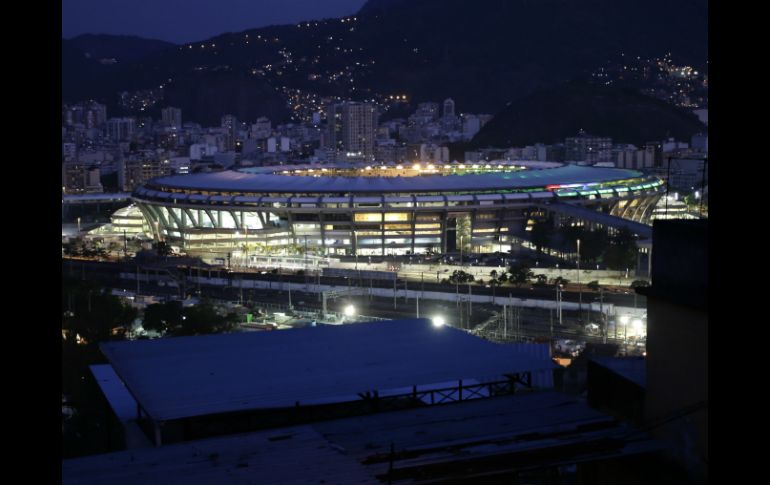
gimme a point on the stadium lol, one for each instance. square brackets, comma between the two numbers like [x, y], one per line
[380, 210]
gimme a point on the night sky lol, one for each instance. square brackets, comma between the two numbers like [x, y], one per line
[182, 21]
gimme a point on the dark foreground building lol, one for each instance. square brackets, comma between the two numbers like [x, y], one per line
[386, 402]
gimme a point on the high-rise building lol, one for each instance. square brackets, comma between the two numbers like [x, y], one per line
[90, 115]
[449, 107]
[69, 151]
[588, 148]
[351, 130]
[261, 129]
[172, 117]
[121, 129]
[132, 173]
[80, 178]
[230, 124]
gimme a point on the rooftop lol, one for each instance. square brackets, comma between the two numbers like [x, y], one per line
[175, 378]
[465, 440]
[243, 181]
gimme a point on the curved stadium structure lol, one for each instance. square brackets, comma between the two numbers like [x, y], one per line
[380, 210]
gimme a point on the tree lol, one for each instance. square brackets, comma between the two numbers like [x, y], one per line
[559, 281]
[73, 248]
[204, 319]
[541, 279]
[640, 284]
[593, 285]
[593, 245]
[459, 276]
[520, 274]
[160, 317]
[91, 312]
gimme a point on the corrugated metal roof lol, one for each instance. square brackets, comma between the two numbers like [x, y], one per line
[287, 456]
[115, 391]
[190, 376]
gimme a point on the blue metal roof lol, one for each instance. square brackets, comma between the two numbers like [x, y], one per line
[191, 376]
[231, 180]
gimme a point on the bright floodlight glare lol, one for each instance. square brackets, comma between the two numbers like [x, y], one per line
[637, 325]
[349, 311]
[624, 319]
[438, 321]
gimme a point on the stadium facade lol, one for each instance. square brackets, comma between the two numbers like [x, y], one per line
[380, 210]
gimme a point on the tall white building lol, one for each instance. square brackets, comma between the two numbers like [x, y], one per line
[351, 130]
[449, 107]
[230, 125]
[172, 117]
[121, 129]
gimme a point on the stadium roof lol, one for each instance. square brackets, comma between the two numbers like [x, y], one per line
[242, 181]
[174, 378]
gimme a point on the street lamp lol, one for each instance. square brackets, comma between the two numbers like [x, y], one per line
[349, 311]
[624, 321]
[438, 321]
[580, 288]
[355, 246]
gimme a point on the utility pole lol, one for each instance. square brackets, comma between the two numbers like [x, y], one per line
[461, 250]
[470, 303]
[125, 245]
[417, 300]
[580, 287]
[355, 246]
[394, 293]
[505, 321]
[601, 311]
[457, 290]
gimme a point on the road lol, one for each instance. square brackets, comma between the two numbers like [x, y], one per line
[110, 272]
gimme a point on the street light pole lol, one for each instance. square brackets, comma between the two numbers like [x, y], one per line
[470, 302]
[355, 246]
[580, 287]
